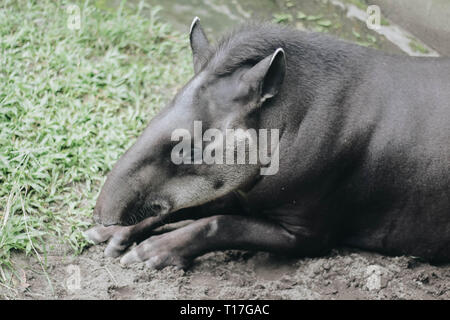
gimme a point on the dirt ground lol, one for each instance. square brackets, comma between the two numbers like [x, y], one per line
[343, 274]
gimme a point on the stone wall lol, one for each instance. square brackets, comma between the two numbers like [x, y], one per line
[429, 20]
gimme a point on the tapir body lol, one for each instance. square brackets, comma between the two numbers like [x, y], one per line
[364, 154]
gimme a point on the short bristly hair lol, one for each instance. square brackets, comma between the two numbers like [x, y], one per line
[251, 42]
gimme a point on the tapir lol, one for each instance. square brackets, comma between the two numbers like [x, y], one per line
[363, 149]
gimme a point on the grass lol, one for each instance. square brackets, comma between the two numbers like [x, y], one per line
[417, 47]
[282, 18]
[71, 101]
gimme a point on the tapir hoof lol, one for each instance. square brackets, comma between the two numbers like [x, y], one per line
[119, 238]
[159, 252]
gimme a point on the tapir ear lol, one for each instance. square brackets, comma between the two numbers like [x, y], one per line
[267, 75]
[199, 44]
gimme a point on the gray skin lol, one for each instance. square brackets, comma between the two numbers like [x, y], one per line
[364, 155]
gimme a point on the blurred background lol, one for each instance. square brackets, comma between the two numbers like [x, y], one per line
[410, 26]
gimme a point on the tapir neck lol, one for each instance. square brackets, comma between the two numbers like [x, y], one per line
[313, 111]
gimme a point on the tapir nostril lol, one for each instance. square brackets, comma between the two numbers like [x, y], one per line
[159, 207]
[156, 207]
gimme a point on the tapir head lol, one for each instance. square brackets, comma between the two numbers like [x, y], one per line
[164, 171]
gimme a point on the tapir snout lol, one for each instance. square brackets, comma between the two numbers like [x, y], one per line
[117, 205]
[130, 192]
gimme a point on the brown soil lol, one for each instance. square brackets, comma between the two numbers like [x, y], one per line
[343, 274]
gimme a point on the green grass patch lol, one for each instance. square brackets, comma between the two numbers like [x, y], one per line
[417, 47]
[282, 18]
[361, 4]
[71, 101]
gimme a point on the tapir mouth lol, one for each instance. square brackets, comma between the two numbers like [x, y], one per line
[132, 213]
[154, 208]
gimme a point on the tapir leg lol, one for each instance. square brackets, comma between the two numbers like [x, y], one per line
[179, 247]
[121, 237]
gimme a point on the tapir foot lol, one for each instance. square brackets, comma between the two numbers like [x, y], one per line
[174, 248]
[159, 251]
[120, 238]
